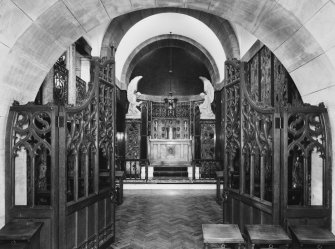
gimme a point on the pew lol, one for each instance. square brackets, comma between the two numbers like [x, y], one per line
[271, 236]
[222, 235]
[20, 234]
[308, 236]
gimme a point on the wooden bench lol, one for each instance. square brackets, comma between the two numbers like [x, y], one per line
[219, 180]
[221, 236]
[271, 236]
[20, 234]
[10, 245]
[308, 236]
[119, 176]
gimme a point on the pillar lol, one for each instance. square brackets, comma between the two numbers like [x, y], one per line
[85, 70]
[71, 66]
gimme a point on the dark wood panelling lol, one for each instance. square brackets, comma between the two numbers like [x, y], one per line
[70, 164]
[256, 216]
[218, 128]
[71, 231]
[144, 130]
[275, 134]
[207, 138]
[91, 221]
[109, 215]
[82, 226]
[254, 72]
[133, 141]
[46, 233]
[266, 74]
[197, 133]
[102, 215]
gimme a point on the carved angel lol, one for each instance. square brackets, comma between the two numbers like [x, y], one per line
[132, 96]
[208, 96]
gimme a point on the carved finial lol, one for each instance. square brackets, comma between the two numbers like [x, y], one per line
[16, 103]
[321, 104]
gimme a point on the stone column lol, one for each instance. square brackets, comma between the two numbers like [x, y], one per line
[48, 88]
[85, 70]
[71, 66]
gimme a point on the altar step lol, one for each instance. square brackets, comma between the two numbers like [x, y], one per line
[167, 171]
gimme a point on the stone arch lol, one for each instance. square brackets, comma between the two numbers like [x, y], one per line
[176, 41]
[44, 31]
[221, 28]
[44, 36]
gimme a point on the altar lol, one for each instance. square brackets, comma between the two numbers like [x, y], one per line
[167, 152]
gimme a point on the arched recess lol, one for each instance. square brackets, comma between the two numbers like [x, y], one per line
[45, 34]
[170, 41]
[221, 28]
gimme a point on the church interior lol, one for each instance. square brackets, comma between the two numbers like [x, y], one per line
[167, 124]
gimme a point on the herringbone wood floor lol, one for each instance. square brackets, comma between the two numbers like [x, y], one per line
[164, 219]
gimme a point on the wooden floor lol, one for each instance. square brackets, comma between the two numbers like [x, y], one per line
[164, 219]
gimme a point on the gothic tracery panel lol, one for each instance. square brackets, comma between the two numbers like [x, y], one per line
[280, 84]
[306, 148]
[207, 139]
[265, 80]
[133, 129]
[253, 84]
[258, 147]
[232, 132]
[81, 136]
[60, 84]
[31, 154]
[80, 90]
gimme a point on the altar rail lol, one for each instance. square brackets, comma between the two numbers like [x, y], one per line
[134, 169]
[207, 168]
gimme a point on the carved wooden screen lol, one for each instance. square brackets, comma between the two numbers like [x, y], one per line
[61, 166]
[257, 150]
[207, 138]
[133, 138]
[232, 134]
[80, 90]
[31, 167]
[307, 166]
[132, 165]
[144, 129]
[276, 149]
[60, 81]
[89, 165]
[249, 133]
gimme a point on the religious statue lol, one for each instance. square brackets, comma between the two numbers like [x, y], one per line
[132, 96]
[208, 96]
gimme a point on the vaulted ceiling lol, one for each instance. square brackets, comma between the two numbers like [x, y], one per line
[170, 69]
[195, 53]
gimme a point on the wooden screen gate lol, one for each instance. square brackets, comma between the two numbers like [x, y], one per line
[276, 148]
[60, 166]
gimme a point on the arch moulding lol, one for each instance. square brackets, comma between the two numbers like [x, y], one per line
[176, 41]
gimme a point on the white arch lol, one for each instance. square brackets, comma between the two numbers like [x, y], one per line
[161, 24]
